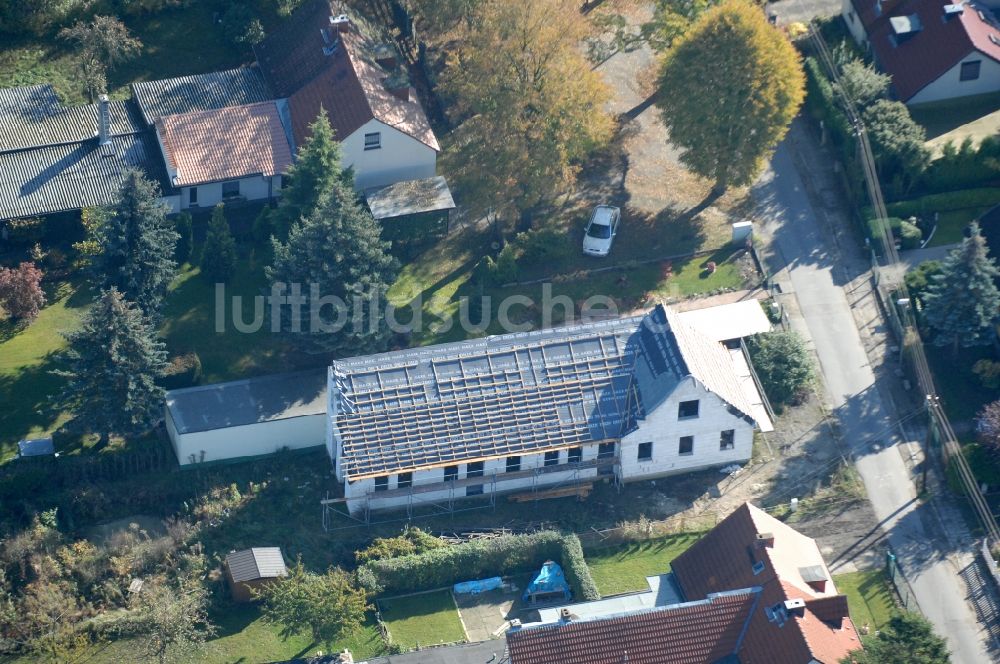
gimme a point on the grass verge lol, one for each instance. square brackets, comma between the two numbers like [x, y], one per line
[869, 597]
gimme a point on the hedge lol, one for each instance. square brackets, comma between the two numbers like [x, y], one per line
[953, 200]
[499, 556]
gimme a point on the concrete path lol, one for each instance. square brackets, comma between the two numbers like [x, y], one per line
[817, 270]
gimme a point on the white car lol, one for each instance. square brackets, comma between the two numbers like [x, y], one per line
[601, 230]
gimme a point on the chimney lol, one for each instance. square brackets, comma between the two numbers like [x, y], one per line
[765, 540]
[566, 616]
[951, 11]
[385, 56]
[341, 23]
[795, 607]
[515, 625]
[103, 121]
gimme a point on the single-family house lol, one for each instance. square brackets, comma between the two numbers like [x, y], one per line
[752, 590]
[55, 158]
[933, 50]
[321, 61]
[224, 154]
[229, 135]
[633, 398]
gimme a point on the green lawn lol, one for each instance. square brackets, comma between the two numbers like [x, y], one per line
[956, 119]
[869, 597]
[624, 568]
[26, 360]
[952, 224]
[422, 620]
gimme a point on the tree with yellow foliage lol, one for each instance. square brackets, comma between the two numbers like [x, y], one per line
[529, 104]
[728, 90]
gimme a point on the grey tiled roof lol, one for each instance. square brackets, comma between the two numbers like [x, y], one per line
[74, 175]
[33, 116]
[517, 393]
[256, 563]
[200, 92]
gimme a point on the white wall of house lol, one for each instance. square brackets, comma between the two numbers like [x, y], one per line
[248, 440]
[172, 202]
[949, 85]
[853, 22]
[664, 428]
[355, 492]
[253, 188]
[399, 157]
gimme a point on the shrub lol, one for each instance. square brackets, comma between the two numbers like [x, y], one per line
[575, 568]
[783, 365]
[185, 238]
[910, 236]
[25, 231]
[919, 278]
[988, 373]
[505, 269]
[240, 26]
[182, 371]
[484, 558]
[541, 245]
[413, 541]
[21, 291]
[218, 254]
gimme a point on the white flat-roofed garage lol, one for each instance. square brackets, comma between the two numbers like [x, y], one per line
[247, 418]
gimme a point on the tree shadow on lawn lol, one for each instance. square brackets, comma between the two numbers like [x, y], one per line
[28, 398]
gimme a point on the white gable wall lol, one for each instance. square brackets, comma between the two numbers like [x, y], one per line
[949, 85]
[853, 22]
[400, 157]
[664, 429]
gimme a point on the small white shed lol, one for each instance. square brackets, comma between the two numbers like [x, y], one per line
[247, 418]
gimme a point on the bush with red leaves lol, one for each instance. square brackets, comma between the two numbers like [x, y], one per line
[21, 293]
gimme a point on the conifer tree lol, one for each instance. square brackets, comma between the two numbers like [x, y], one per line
[218, 256]
[185, 238]
[314, 175]
[112, 362]
[136, 246]
[337, 250]
[962, 302]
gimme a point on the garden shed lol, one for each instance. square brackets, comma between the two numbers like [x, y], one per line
[253, 568]
[413, 209]
[247, 418]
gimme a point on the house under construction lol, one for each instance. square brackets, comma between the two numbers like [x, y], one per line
[633, 398]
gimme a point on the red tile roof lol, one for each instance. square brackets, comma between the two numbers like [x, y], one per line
[695, 633]
[725, 558]
[224, 144]
[936, 48]
[313, 64]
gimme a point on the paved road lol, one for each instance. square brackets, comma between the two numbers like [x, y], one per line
[818, 275]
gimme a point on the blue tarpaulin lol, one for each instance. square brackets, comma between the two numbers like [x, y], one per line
[549, 584]
[479, 586]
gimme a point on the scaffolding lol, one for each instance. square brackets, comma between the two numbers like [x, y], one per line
[416, 503]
